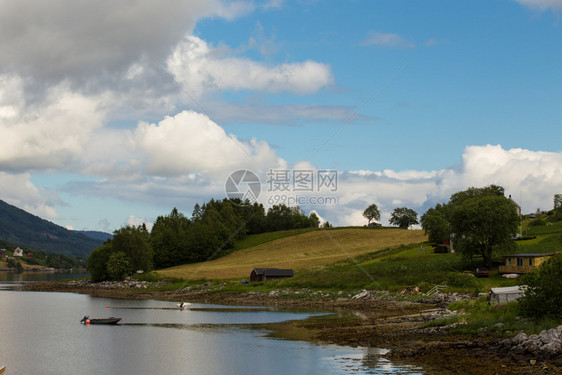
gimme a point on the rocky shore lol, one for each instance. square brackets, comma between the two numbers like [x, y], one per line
[366, 319]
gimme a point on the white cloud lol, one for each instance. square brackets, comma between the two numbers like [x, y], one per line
[191, 142]
[136, 221]
[19, 191]
[531, 177]
[387, 40]
[83, 40]
[201, 69]
[542, 4]
[49, 134]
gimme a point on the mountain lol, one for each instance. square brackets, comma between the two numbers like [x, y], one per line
[96, 235]
[26, 230]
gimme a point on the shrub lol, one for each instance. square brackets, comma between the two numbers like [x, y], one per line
[543, 296]
[460, 280]
[537, 223]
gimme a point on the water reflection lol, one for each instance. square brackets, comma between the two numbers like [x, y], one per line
[155, 337]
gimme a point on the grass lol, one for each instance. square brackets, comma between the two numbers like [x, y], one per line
[300, 252]
[546, 243]
[477, 315]
[355, 258]
[545, 229]
[258, 239]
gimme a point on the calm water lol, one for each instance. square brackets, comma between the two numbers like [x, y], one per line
[40, 333]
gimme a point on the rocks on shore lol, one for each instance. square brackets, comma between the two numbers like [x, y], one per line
[547, 344]
[127, 283]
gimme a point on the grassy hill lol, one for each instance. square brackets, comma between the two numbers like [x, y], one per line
[354, 258]
[298, 250]
[29, 231]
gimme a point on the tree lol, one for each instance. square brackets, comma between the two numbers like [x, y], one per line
[472, 192]
[543, 296]
[97, 262]
[119, 266]
[168, 239]
[557, 201]
[404, 217]
[435, 225]
[372, 213]
[134, 242]
[314, 220]
[484, 226]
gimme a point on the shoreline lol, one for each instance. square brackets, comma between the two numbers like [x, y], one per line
[375, 321]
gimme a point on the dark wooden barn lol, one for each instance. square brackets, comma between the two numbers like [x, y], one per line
[263, 274]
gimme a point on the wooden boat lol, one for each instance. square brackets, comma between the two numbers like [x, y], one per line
[2, 369]
[111, 320]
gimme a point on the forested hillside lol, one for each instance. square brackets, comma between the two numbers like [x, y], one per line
[29, 231]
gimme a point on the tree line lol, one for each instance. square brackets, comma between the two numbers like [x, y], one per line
[175, 239]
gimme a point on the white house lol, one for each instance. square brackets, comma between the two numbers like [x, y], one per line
[18, 252]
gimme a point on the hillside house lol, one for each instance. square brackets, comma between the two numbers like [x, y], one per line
[18, 252]
[263, 274]
[517, 207]
[523, 263]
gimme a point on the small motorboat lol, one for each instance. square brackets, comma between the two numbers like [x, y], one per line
[111, 320]
[184, 305]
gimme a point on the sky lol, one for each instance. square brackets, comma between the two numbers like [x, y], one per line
[113, 113]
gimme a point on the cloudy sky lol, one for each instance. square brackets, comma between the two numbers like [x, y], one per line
[112, 113]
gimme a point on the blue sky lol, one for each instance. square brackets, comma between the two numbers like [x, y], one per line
[113, 114]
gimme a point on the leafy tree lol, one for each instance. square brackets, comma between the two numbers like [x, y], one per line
[484, 226]
[169, 239]
[404, 217]
[97, 262]
[134, 242]
[372, 213]
[313, 220]
[436, 221]
[472, 192]
[557, 201]
[435, 224]
[119, 266]
[543, 296]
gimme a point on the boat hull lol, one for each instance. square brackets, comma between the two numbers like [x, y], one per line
[111, 320]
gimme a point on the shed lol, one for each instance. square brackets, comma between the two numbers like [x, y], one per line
[523, 263]
[263, 274]
[500, 296]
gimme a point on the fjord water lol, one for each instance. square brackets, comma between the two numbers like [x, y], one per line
[40, 333]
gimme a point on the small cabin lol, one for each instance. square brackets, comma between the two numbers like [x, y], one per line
[263, 274]
[523, 263]
[500, 296]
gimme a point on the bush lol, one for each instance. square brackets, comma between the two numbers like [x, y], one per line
[543, 296]
[15, 264]
[537, 223]
[460, 280]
